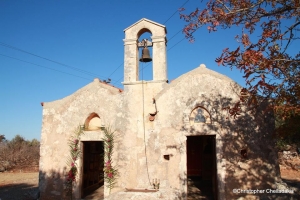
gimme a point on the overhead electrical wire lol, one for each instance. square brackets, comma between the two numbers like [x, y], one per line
[78, 69]
[176, 44]
[167, 50]
[168, 41]
[44, 66]
[149, 63]
[175, 35]
[50, 60]
[53, 61]
[175, 12]
[115, 69]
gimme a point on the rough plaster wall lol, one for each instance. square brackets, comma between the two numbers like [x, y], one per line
[131, 152]
[159, 57]
[260, 170]
[197, 88]
[60, 119]
[203, 87]
[166, 135]
[138, 104]
[131, 64]
[141, 144]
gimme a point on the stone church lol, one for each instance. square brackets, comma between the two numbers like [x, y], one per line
[176, 133]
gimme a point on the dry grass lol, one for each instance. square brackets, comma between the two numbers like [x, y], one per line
[18, 186]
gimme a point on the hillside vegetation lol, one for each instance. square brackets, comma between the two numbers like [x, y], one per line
[19, 154]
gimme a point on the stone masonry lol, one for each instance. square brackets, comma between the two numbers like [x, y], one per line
[152, 120]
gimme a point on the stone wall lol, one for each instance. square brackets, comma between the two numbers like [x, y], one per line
[152, 120]
[60, 120]
[166, 135]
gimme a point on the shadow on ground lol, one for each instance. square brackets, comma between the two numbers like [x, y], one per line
[20, 191]
[199, 189]
[97, 194]
[293, 184]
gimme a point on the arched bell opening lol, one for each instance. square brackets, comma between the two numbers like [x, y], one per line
[134, 70]
[145, 55]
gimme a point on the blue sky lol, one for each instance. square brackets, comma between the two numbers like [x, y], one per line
[88, 37]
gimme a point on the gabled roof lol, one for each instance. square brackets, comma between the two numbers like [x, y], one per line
[147, 20]
[92, 87]
[201, 70]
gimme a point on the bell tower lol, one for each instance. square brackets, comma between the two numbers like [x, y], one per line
[139, 98]
[131, 51]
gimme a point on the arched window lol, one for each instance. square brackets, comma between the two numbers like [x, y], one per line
[93, 122]
[199, 115]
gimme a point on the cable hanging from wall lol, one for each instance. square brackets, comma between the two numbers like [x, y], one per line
[145, 57]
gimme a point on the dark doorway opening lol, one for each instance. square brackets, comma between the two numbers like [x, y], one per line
[92, 171]
[201, 167]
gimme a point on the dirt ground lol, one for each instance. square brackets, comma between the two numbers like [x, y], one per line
[18, 186]
[24, 186]
[289, 174]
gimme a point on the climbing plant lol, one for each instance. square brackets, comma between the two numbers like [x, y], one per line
[73, 157]
[110, 172]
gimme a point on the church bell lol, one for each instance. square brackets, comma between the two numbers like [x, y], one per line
[145, 55]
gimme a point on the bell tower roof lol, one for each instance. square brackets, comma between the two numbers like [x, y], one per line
[145, 20]
[131, 51]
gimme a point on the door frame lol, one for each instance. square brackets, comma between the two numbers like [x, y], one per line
[219, 164]
[88, 136]
[82, 144]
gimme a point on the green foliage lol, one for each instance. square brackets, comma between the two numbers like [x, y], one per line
[17, 142]
[34, 142]
[71, 162]
[287, 131]
[2, 138]
[18, 139]
[19, 153]
[281, 144]
[110, 172]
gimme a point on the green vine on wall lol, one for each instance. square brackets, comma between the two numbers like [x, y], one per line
[110, 172]
[74, 156]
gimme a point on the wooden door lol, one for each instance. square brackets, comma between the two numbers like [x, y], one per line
[208, 157]
[194, 156]
[93, 163]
